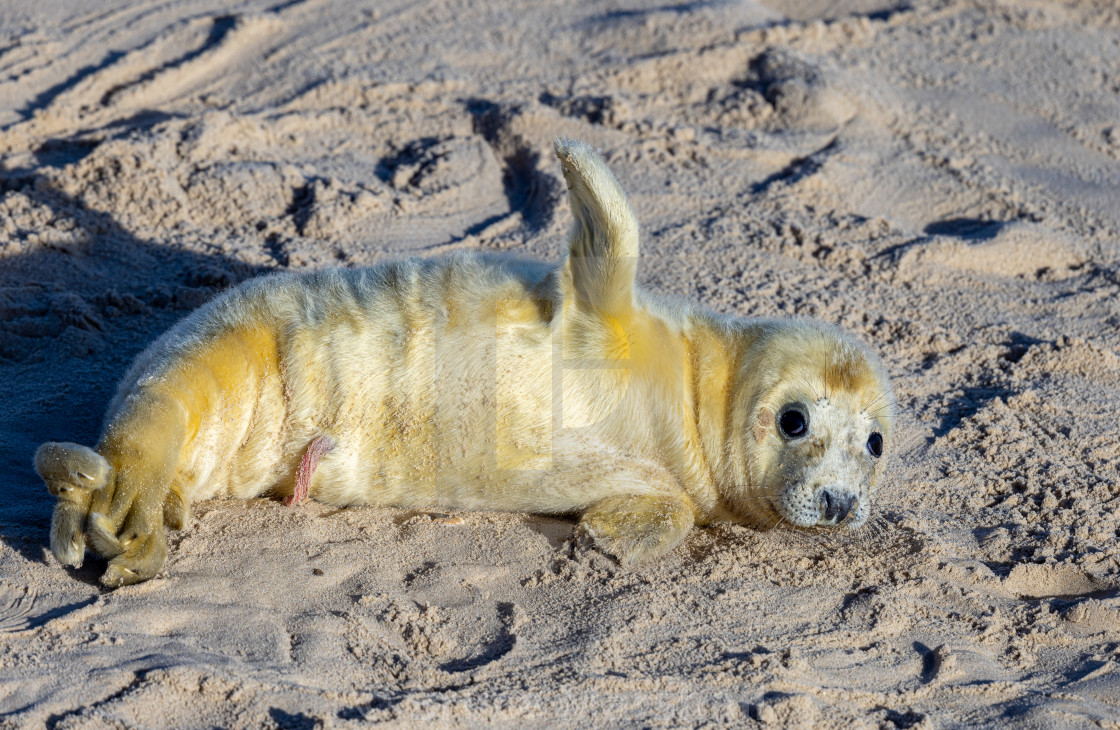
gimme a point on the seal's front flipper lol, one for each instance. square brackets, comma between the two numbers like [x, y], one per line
[603, 250]
[637, 528]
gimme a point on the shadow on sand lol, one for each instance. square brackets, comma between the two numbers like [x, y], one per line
[72, 318]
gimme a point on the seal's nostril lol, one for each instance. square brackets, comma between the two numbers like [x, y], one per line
[835, 507]
[828, 506]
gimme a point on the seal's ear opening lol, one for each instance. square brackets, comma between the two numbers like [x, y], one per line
[763, 425]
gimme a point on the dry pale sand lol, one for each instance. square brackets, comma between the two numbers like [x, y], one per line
[942, 178]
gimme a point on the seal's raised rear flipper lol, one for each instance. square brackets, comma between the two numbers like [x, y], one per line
[72, 473]
[603, 251]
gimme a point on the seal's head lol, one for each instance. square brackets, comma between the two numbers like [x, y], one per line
[814, 413]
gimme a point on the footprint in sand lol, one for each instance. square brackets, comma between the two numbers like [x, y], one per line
[1029, 580]
[1016, 248]
[15, 608]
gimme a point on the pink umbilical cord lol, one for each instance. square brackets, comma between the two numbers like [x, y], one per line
[319, 447]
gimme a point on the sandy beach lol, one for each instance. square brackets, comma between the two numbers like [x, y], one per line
[939, 177]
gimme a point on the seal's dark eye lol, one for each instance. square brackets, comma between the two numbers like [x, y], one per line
[794, 422]
[875, 444]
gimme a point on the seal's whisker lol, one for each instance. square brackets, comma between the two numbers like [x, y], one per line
[809, 387]
[877, 526]
[862, 534]
[774, 523]
[890, 399]
[876, 399]
[817, 538]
